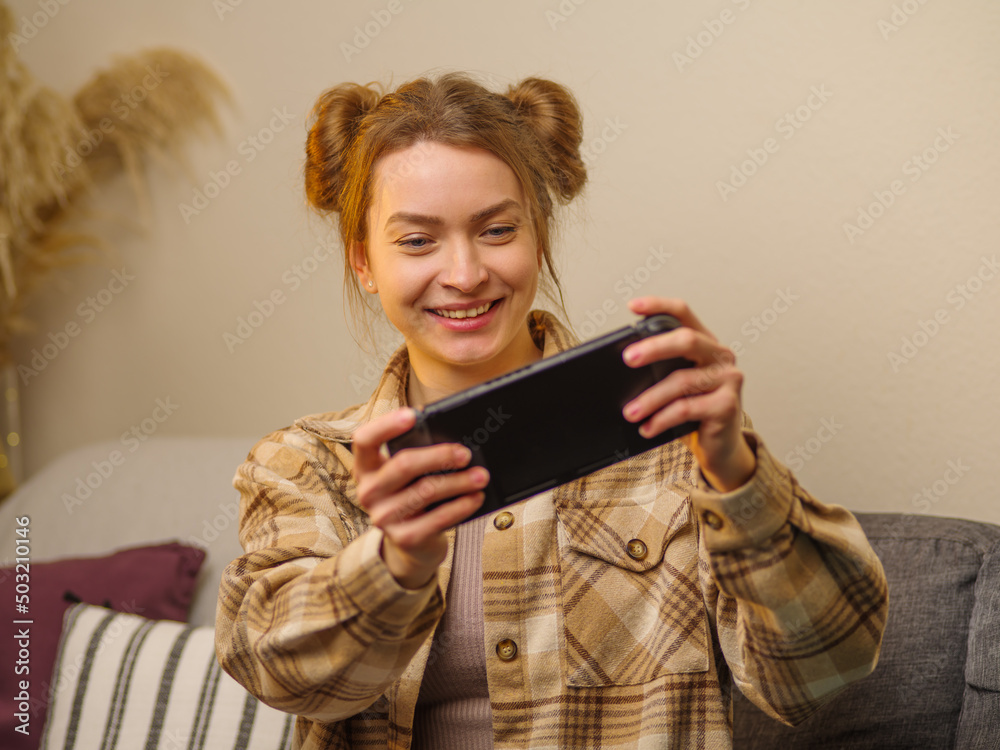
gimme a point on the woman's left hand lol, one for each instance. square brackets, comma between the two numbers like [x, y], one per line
[708, 393]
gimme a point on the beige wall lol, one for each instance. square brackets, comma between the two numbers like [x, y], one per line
[848, 101]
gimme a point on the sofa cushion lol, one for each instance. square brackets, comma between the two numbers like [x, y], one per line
[157, 581]
[942, 576]
[130, 682]
[979, 724]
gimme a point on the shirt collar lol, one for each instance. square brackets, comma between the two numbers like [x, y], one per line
[547, 331]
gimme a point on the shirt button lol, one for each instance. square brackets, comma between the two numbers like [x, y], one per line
[636, 549]
[503, 520]
[712, 520]
[506, 649]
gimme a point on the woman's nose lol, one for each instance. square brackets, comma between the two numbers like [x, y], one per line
[466, 269]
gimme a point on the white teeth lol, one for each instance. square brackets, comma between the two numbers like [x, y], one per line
[471, 313]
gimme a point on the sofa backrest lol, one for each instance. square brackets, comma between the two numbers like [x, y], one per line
[937, 683]
[105, 497]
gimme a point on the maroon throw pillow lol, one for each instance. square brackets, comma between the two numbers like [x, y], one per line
[157, 582]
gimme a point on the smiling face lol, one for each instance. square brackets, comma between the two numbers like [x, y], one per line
[455, 262]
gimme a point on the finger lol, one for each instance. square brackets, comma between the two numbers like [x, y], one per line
[685, 342]
[712, 410]
[403, 468]
[650, 305]
[368, 439]
[681, 384]
[412, 533]
[428, 490]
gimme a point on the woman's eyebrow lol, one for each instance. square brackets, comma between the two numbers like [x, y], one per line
[415, 218]
[495, 209]
[412, 218]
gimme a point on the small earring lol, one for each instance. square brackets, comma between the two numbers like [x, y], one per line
[370, 283]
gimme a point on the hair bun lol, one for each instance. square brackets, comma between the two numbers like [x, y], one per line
[551, 111]
[335, 120]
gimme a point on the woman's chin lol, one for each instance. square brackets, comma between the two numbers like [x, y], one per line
[468, 356]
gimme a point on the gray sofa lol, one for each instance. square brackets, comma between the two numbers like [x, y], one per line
[937, 683]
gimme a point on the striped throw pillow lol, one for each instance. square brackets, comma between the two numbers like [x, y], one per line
[125, 682]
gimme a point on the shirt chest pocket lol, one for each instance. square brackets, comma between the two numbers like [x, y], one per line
[632, 606]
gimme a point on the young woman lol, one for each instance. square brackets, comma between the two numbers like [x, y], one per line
[615, 611]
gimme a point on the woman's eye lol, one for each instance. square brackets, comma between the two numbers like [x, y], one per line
[497, 233]
[415, 243]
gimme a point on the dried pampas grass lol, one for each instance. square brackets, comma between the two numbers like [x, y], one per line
[145, 105]
[54, 151]
[37, 126]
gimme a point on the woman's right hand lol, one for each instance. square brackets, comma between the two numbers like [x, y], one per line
[394, 492]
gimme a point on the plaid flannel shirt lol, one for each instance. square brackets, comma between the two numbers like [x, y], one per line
[617, 607]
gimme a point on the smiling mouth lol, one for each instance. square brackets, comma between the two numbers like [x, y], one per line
[470, 313]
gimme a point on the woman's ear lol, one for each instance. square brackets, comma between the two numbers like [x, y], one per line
[359, 262]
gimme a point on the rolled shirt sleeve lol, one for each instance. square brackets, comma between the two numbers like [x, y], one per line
[799, 597]
[307, 623]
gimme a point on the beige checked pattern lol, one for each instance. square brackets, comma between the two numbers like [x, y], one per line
[613, 650]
